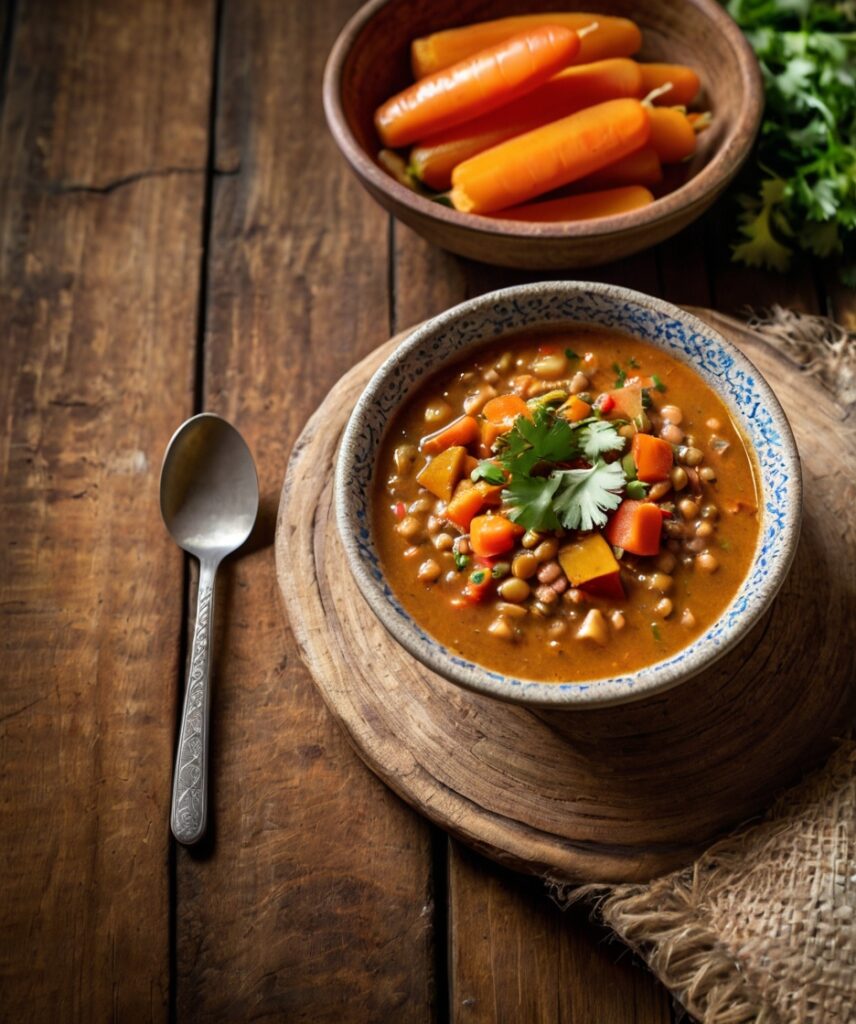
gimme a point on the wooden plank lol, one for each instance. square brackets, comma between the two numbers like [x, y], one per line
[99, 265]
[314, 900]
[516, 956]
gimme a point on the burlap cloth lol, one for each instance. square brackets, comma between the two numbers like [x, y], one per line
[762, 927]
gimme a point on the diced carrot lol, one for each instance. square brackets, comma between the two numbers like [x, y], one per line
[489, 433]
[481, 82]
[493, 535]
[586, 206]
[635, 526]
[462, 431]
[549, 157]
[440, 475]
[467, 502]
[478, 585]
[613, 37]
[504, 410]
[673, 137]
[653, 457]
[577, 410]
[684, 81]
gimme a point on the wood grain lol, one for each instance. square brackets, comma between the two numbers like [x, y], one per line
[624, 792]
[312, 900]
[101, 189]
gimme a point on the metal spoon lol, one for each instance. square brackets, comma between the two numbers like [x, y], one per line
[209, 495]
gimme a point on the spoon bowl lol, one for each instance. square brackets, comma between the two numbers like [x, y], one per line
[209, 499]
[209, 490]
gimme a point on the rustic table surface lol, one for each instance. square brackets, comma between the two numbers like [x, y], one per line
[178, 233]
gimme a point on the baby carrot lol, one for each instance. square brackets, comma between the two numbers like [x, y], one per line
[684, 81]
[614, 37]
[462, 431]
[641, 167]
[549, 157]
[434, 159]
[482, 82]
[673, 137]
[580, 207]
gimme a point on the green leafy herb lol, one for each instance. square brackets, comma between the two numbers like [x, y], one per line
[544, 438]
[586, 495]
[570, 354]
[461, 561]
[636, 490]
[531, 500]
[655, 629]
[801, 189]
[488, 471]
[646, 398]
[620, 376]
[631, 362]
[599, 437]
[658, 384]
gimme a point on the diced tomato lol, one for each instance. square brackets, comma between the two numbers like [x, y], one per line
[609, 587]
[399, 510]
[606, 404]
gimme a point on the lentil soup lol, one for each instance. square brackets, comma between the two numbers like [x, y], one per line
[565, 505]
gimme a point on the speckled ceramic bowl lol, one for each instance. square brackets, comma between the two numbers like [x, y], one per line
[446, 338]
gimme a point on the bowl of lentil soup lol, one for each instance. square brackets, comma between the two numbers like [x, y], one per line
[567, 494]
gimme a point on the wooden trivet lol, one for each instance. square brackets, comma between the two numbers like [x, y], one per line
[614, 794]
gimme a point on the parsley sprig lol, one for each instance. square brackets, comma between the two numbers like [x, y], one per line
[543, 492]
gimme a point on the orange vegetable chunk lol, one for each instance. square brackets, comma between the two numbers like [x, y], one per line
[635, 526]
[549, 157]
[468, 501]
[493, 535]
[462, 431]
[628, 402]
[673, 137]
[613, 37]
[577, 410]
[479, 83]
[440, 475]
[587, 559]
[653, 458]
[504, 410]
[641, 167]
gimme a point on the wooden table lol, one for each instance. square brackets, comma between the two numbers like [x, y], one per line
[178, 233]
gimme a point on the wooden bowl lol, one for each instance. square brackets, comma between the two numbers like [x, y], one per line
[370, 62]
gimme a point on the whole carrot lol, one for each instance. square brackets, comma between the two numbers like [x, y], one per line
[549, 157]
[684, 81]
[641, 167]
[614, 37]
[480, 83]
[673, 137]
[586, 206]
[433, 159]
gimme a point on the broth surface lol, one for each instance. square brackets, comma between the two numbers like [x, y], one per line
[708, 539]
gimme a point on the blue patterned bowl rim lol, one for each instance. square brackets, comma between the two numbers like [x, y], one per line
[445, 339]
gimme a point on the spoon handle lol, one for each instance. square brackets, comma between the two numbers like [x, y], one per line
[190, 783]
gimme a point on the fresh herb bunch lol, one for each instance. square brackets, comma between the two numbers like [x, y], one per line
[803, 183]
[543, 492]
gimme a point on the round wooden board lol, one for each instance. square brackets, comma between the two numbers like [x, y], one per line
[613, 794]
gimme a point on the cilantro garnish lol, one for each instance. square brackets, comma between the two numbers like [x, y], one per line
[544, 438]
[655, 629]
[570, 354]
[600, 437]
[658, 384]
[488, 471]
[631, 362]
[586, 495]
[531, 498]
[620, 376]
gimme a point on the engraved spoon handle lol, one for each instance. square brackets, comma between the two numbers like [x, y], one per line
[190, 782]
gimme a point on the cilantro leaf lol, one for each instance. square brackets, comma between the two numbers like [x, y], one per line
[658, 384]
[544, 438]
[631, 362]
[620, 376]
[489, 471]
[599, 437]
[570, 354]
[586, 495]
[531, 501]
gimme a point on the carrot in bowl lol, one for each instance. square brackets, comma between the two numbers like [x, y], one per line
[641, 167]
[549, 157]
[585, 206]
[614, 37]
[481, 82]
[673, 137]
[684, 81]
[433, 159]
